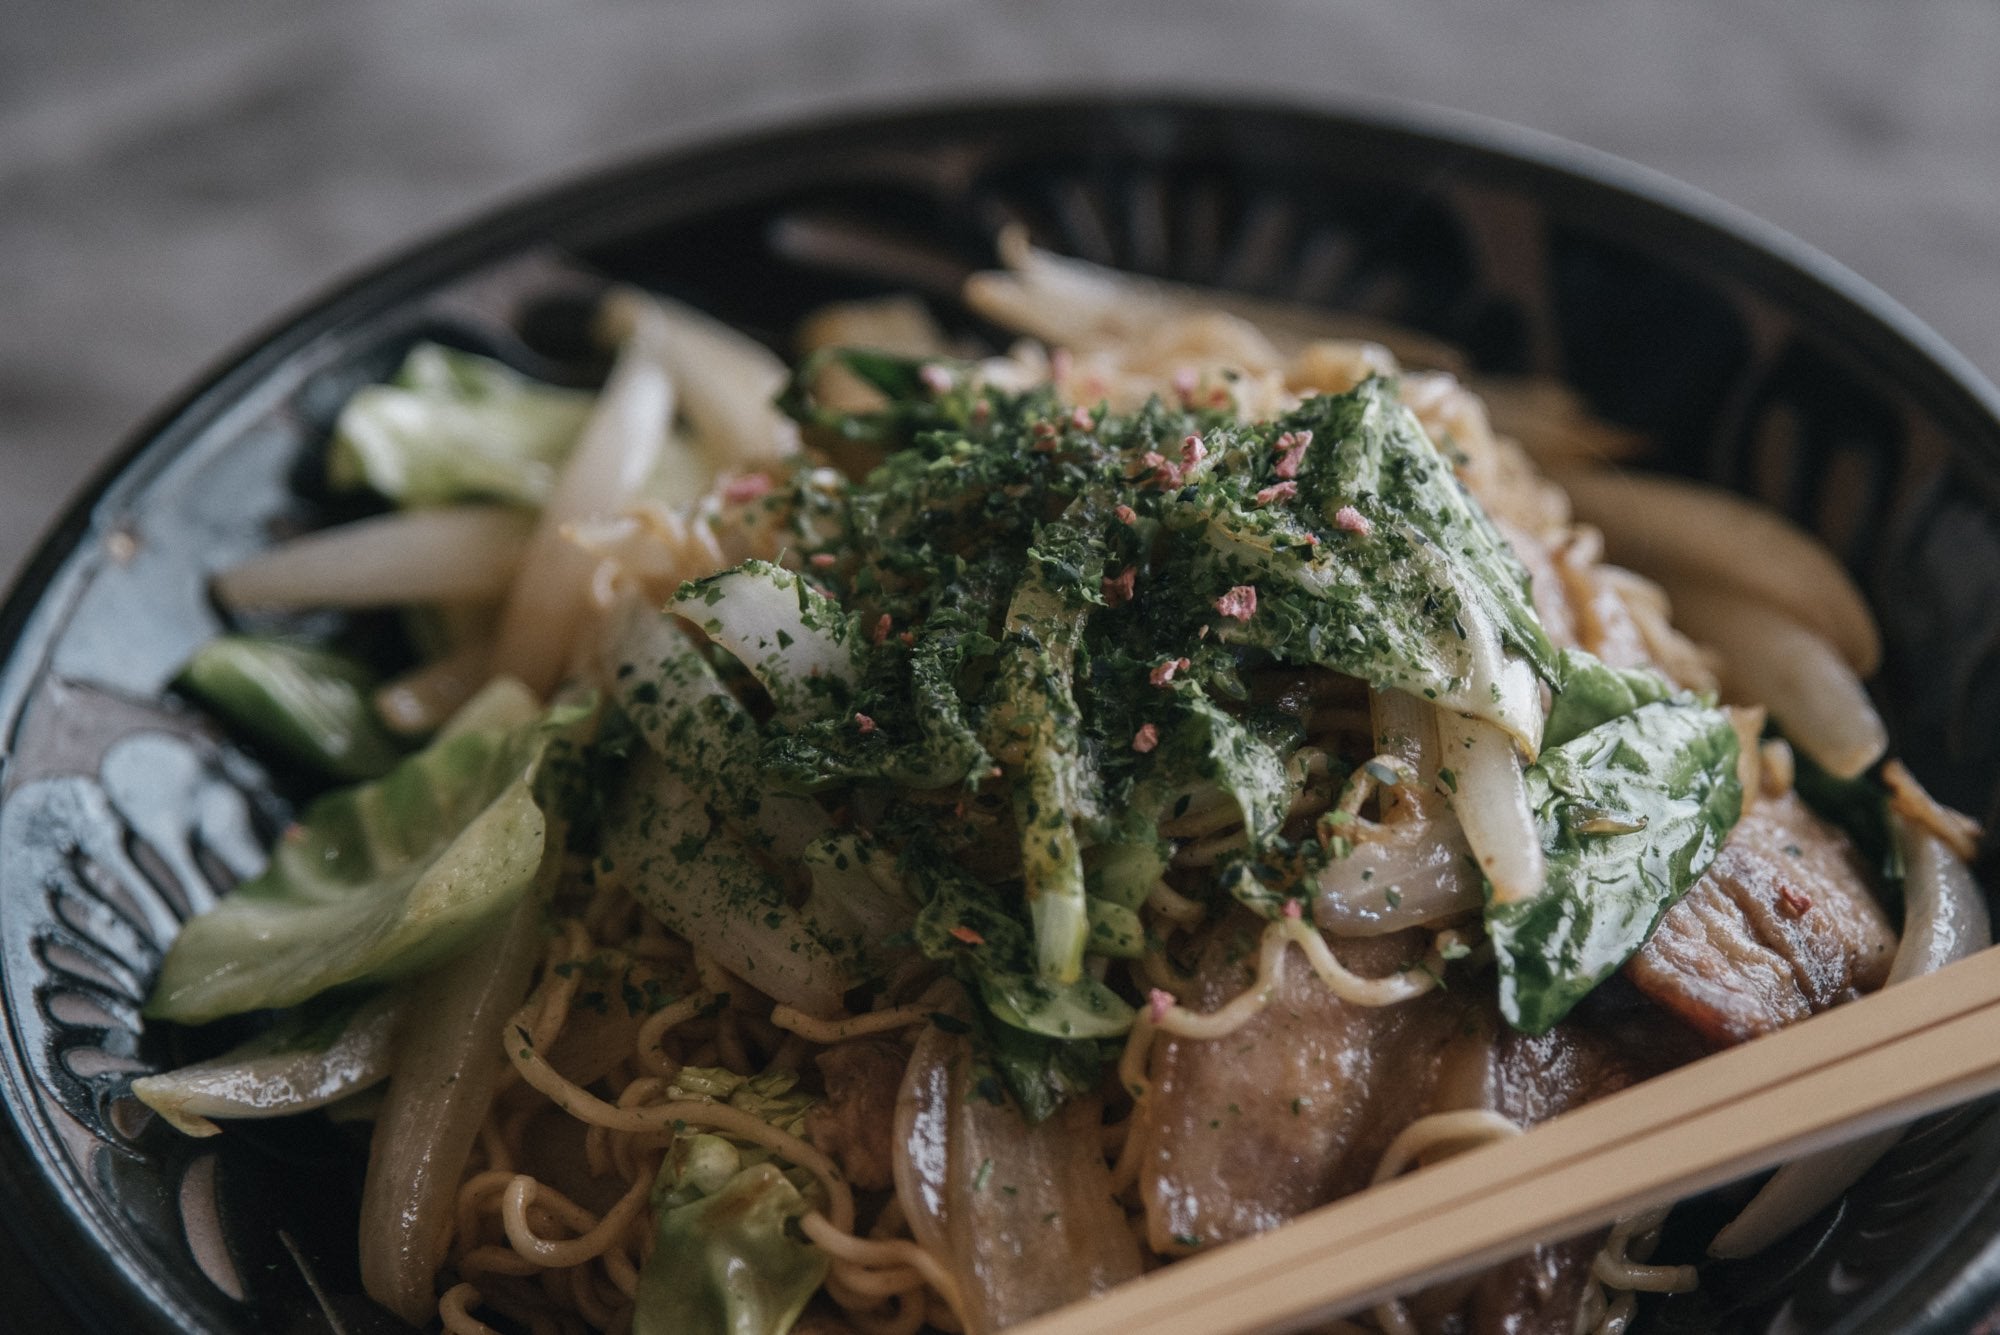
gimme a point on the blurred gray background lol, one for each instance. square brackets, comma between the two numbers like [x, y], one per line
[174, 173]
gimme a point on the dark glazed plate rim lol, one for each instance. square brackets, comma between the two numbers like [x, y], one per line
[42, 1209]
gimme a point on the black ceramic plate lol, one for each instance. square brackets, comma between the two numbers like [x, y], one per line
[1742, 357]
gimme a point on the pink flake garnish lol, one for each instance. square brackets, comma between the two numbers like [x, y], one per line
[1165, 473]
[1164, 673]
[1184, 382]
[1145, 739]
[1193, 451]
[1126, 514]
[1352, 520]
[908, 637]
[1240, 602]
[1277, 491]
[1158, 1003]
[1081, 419]
[746, 488]
[1793, 903]
[1291, 448]
[1117, 589]
[967, 935]
[1294, 910]
[936, 378]
[865, 724]
[823, 560]
[882, 628]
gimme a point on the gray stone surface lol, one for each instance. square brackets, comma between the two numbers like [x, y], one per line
[175, 173]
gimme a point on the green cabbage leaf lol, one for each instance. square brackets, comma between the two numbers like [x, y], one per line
[725, 1259]
[453, 426]
[307, 705]
[385, 879]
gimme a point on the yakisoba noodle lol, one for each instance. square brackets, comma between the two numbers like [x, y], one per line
[637, 1049]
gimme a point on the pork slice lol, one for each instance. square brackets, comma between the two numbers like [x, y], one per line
[856, 1123]
[1782, 926]
[1536, 1294]
[1294, 1108]
[1529, 1079]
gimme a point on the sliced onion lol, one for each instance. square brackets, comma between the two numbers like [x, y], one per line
[1403, 874]
[1491, 803]
[1944, 919]
[728, 381]
[758, 612]
[447, 1062]
[1080, 305]
[245, 1084]
[698, 726]
[421, 699]
[1944, 910]
[1406, 728]
[465, 553]
[704, 884]
[1675, 530]
[1022, 1216]
[1772, 660]
[617, 450]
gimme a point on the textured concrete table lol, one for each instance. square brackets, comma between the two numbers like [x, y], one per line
[173, 174]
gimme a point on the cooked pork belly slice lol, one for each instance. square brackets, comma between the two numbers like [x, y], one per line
[1782, 926]
[1294, 1108]
[855, 1126]
[1529, 1079]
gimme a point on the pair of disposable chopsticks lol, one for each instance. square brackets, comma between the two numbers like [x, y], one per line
[1882, 1061]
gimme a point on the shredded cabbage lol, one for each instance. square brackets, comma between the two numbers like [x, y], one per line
[453, 426]
[383, 880]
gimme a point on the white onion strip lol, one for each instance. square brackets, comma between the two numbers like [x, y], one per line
[615, 453]
[1406, 728]
[447, 1063]
[421, 699]
[1772, 660]
[1670, 529]
[461, 553]
[1491, 803]
[276, 1084]
[727, 381]
[1402, 874]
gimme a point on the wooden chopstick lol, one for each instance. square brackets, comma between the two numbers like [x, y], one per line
[1904, 1052]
